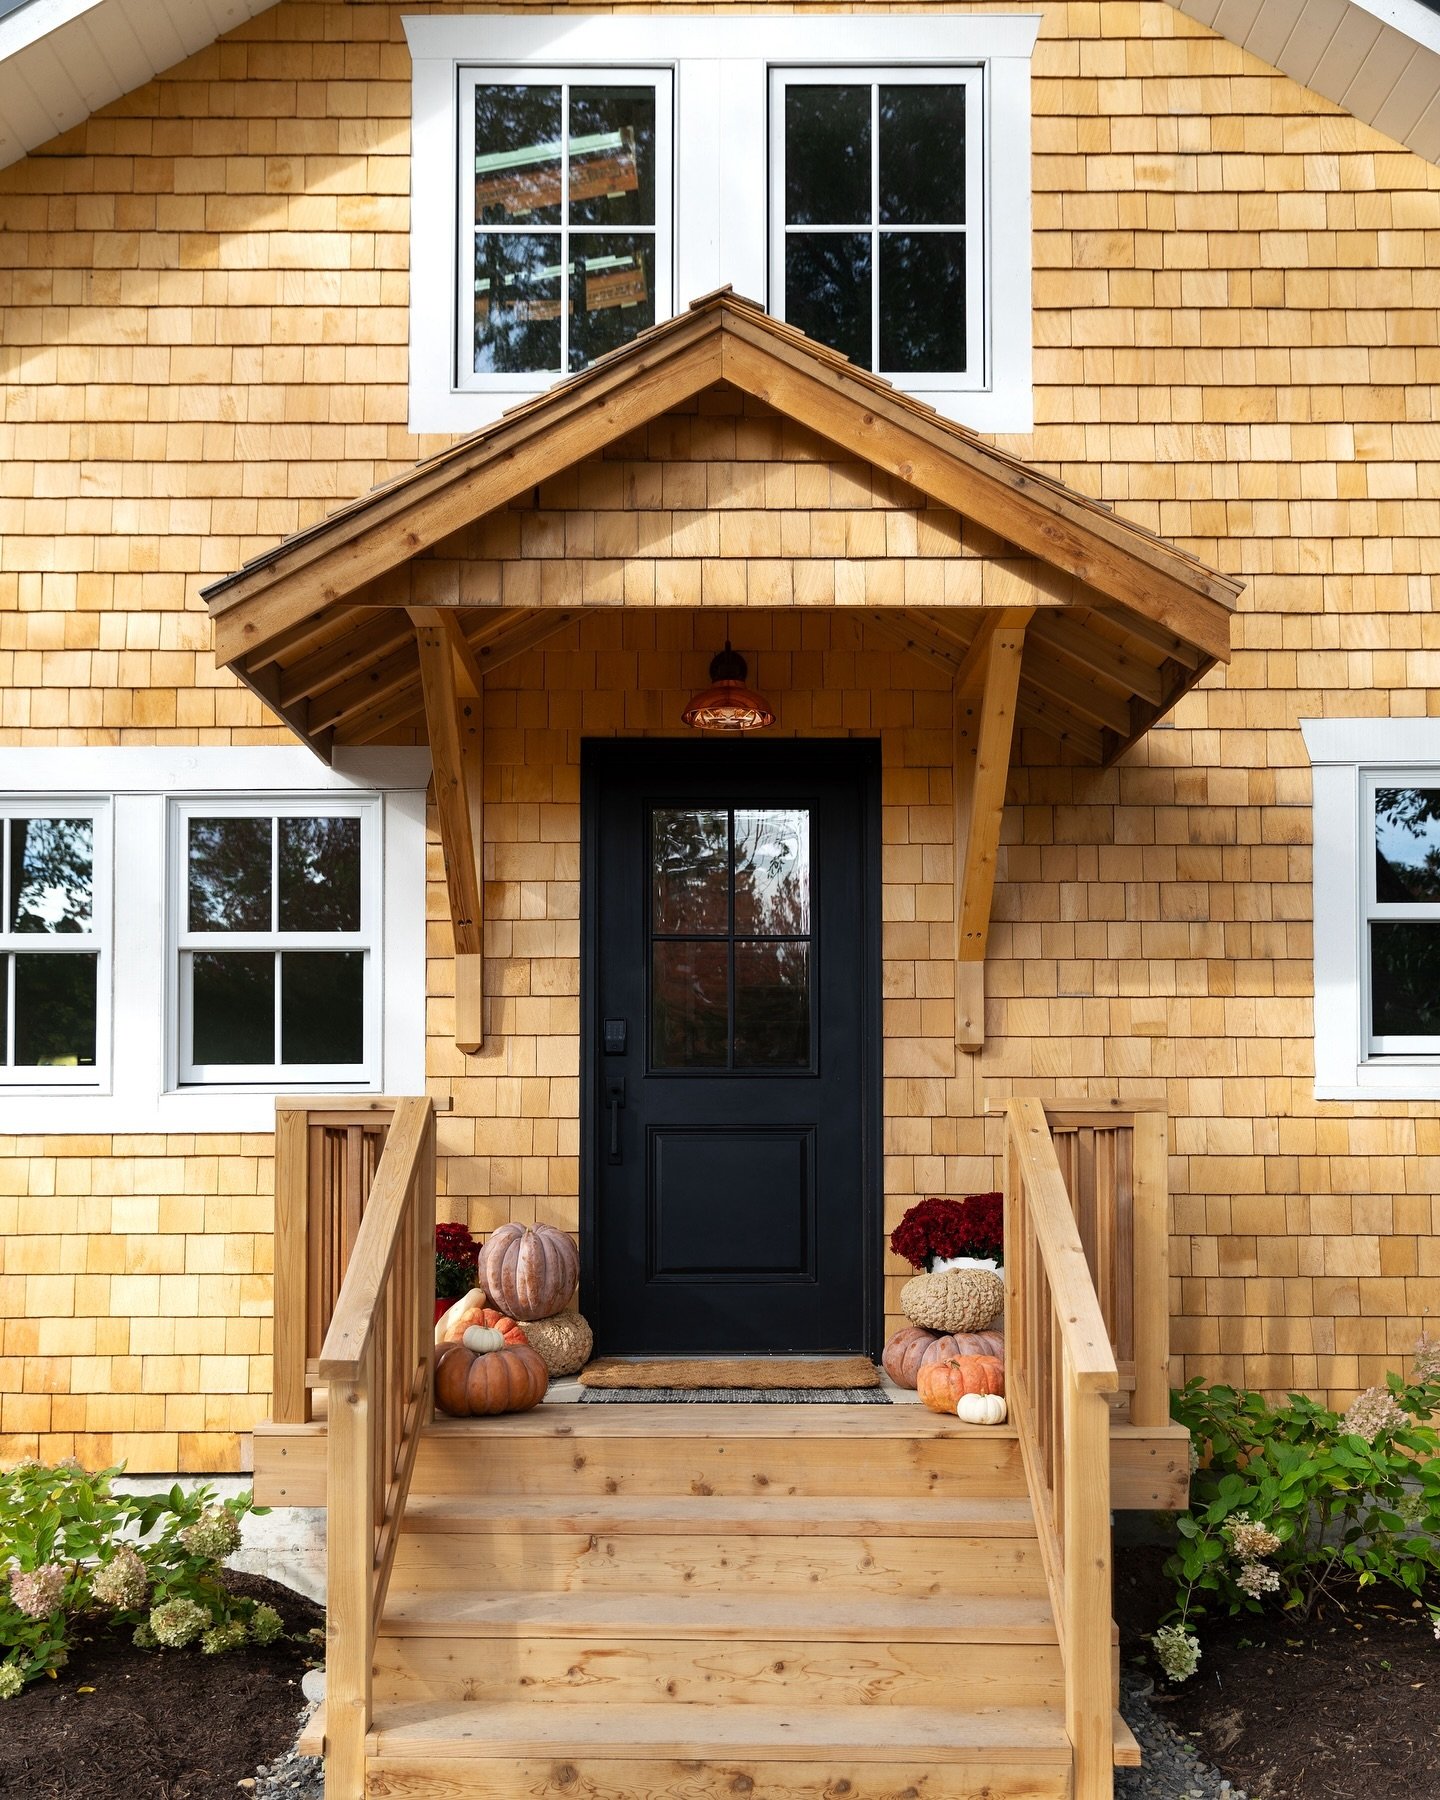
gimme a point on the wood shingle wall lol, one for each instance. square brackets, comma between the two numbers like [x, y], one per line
[204, 295]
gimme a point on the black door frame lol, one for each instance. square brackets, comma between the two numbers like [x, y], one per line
[598, 758]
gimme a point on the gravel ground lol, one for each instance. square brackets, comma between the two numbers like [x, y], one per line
[1171, 1769]
[290, 1777]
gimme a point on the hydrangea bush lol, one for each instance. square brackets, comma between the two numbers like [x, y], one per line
[1290, 1502]
[72, 1550]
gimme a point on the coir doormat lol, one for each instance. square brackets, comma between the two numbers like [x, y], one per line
[736, 1396]
[766, 1373]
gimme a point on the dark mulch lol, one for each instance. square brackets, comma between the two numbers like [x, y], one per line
[1342, 1706]
[160, 1725]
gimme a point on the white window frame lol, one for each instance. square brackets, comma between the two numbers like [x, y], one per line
[721, 178]
[367, 940]
[483, 75]
[1350, 759]
[971, 81]
[29, 1078]
[141, 787]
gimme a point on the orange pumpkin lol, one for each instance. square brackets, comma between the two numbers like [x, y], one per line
[468, 1386]
[964, 1343]
[942, 1383]
[905, 1352]
[479, 1314]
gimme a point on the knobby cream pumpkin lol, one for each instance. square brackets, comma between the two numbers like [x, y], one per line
[941, 1384]
[906, 1350]
[470, 1386]
[529, 1270]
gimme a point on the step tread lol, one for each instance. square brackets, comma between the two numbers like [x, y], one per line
[601, 1612]
[856, 1424]
[695, 1732]
[784, 1515]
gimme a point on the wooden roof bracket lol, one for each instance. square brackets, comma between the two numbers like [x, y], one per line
[986, 685]
[450, 681]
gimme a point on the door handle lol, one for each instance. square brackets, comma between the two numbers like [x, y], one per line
[615, 1099]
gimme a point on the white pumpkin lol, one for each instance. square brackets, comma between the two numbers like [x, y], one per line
[482, 1339]
[976, 1409]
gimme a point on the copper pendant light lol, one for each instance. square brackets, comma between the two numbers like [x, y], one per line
[728, 704]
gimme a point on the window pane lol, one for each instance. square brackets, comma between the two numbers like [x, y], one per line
[229, 874]
[772, 1006]
[322, 1006]
[772, 872]
[612, 293]
[691, 869]
[517, 155]
[55, 1011]
[517, 303]
[1405, 980]
[234, 1007]
[1407, 844]
[827, 155]
[922, 155]
[689, 1007]
[827, 289]
[52, 863]
[612, 156]
[922, 302]
[319, 874]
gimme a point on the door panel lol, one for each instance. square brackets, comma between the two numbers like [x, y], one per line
[730, 1064]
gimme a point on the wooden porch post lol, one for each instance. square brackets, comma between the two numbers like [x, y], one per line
[986, 684]
[453, 691]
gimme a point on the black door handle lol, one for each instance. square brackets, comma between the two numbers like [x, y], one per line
[615, 1097]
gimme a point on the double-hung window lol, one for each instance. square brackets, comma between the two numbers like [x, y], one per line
[278, 936]
[565, 218]
[54, 946]
[1402, 914]
[876, 217]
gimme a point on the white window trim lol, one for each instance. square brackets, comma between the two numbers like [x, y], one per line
[1346, 756]
[18, 1079]
[721, 81]
[141, 784]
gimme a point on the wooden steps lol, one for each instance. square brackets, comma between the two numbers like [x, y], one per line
[645, 1602]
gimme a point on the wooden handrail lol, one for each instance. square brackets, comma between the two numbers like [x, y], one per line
[377, 1357]
[1060, 1370]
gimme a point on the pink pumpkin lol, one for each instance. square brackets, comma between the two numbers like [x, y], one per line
[963, 1343]
[905, 1352]
[529, 1271]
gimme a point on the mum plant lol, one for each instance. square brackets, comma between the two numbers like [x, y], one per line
[73, 1551]
[456, 1256]
[935, 1230]
[1292, 1503]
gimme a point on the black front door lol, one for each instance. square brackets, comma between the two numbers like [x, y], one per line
[731, 1046]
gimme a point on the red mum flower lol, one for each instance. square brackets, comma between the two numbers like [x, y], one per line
[937, 1229]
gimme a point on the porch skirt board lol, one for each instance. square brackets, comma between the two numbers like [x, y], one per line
[632, 1396]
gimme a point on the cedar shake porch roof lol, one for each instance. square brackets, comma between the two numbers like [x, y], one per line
[324, 625]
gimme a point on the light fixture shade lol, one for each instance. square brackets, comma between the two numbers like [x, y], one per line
[728, 704]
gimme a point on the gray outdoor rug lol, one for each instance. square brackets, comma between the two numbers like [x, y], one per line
[734, 1396]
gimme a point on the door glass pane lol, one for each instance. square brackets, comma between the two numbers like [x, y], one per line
[234, 1007]
[772, 1005]
[612, 156]
[690, 869]
[55, 1011]
[1405, 980]
[772, 872]
[322, 1006]
[827, 289]
[612, 293]
[229, 874]
[517, 155]
[319, 874]
[689, 1005]
[52, 865]
[922, 302]
[1407, 844]
[517, 302]
[827, 155]
[922, 155]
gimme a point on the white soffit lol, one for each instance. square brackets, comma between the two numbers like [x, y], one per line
[1378, 59]
[60, 60]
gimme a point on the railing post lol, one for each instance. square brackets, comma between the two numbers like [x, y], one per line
[291, 1401]
[1150, 1183]
[1088, 1597]
[350, 1563]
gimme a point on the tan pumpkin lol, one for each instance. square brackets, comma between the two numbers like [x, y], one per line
[903, 1355]
[955, 1300]
[964, 1343]
[477, 1316]
[529, 1270]
[940, 1384]
[468, 1386]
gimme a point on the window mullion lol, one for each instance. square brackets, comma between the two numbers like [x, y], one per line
[564, 227]
[875, 226]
